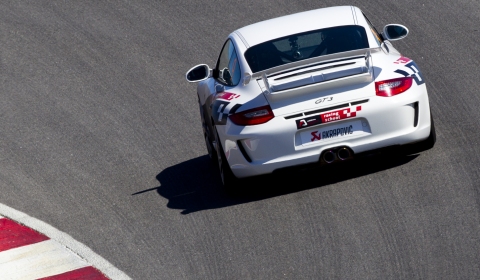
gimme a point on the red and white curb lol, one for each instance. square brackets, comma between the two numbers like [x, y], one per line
[32, 249]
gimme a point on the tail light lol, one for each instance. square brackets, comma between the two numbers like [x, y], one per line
[393, 87]
[253, 116]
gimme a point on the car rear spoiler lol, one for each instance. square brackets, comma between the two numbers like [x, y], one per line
[331, 71]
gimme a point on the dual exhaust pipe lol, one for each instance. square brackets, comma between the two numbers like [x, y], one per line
[340, 153]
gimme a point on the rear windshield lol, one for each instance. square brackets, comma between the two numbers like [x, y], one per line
[306, 45]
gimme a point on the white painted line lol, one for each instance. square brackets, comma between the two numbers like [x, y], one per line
[78, 248]
[46, 258]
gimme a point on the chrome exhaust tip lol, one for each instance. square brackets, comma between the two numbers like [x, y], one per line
[329, 156]
[344, 153]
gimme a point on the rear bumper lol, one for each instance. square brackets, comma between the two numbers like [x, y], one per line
[262, 149]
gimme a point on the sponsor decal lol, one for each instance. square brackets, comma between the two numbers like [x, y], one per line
[328, 117]
[340, 114]
[227, 96]
[416, 74]
[316, 136]
[331, 133]
[308, 122]
[402, 60]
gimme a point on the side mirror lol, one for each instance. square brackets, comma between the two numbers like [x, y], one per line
[394, 32]
[198, 73]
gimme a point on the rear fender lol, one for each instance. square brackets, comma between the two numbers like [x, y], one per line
[398, 66]
[232, 100]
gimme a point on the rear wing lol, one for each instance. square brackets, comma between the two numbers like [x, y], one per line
[332, 71]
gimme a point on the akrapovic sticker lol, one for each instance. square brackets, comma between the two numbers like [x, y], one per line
[331, 133]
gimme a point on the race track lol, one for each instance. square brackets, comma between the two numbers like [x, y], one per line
[101, 138]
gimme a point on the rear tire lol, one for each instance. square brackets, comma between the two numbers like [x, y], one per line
[210, 149]
[229, 181]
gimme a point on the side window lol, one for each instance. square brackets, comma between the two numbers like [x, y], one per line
[377, 35]
[228, 68]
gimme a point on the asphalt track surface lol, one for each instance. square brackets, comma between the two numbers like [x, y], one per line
[101, 138]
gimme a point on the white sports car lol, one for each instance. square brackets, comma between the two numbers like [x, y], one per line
[320, 86]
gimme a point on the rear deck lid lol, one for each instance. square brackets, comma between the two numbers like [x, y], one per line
[320, 84]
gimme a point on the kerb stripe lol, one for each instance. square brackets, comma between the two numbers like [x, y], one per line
[13, 235]
[88, 272]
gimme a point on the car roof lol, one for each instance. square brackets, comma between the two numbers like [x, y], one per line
[296, 23]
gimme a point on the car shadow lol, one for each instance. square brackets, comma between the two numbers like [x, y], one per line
[194, 185]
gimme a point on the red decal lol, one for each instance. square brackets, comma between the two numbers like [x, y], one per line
[402, 60]
[340, 114]
[227, 95]
[315, 136]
